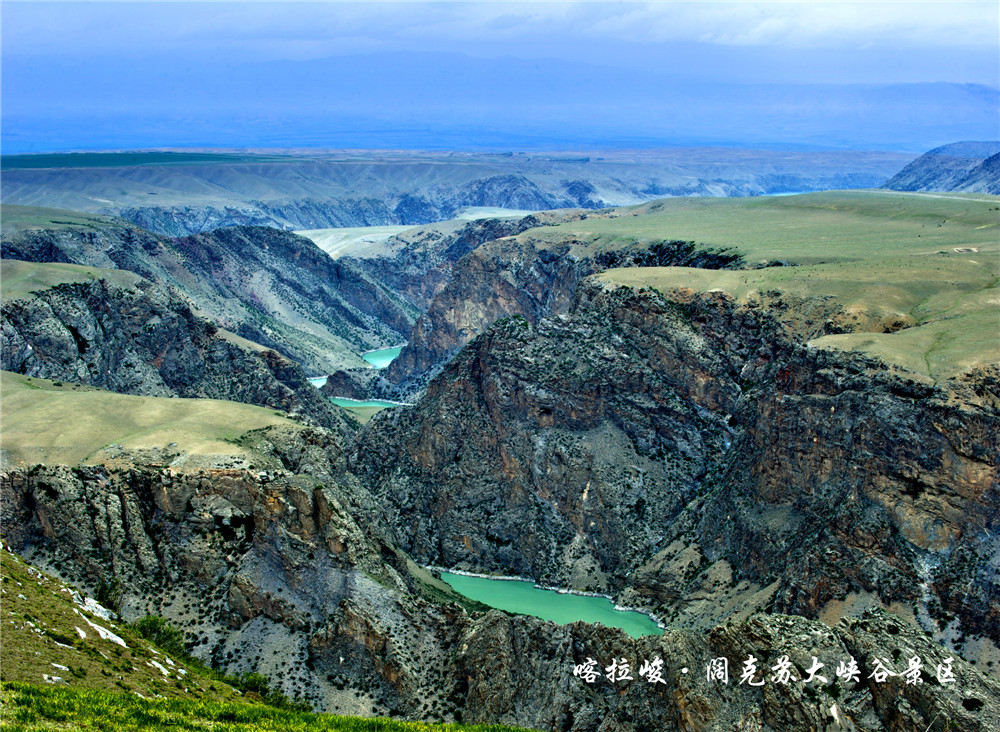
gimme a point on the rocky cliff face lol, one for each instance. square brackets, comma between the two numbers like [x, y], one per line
[272, 287]
[515, 276]
[520, 671]
[295, 576]
[499, 279]
[144, 340]
[545, 428]
[268, 571]
[420, 262]
[961, 167]
[689, 455]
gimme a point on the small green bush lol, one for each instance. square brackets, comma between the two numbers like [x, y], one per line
[157, 630]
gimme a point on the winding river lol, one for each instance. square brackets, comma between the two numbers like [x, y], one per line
[524, 598]
[381, 358]
[378, 359]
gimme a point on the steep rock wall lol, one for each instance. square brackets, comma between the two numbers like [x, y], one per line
[146, 341]
[297, 579]
[685, 451]
[270, 286]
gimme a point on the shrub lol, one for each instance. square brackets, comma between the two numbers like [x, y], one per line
[157, 630]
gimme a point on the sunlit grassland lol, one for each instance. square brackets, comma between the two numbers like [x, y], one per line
[31, 708]
[813, 228]
[931, 264]
[17, 278]
[52, 422]
[19, 218]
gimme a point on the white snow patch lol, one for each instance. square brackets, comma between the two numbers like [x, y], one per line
[93, 607]
[158, 665]
[103, 632]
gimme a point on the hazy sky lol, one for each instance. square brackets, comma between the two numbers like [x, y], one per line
[776, 41]
[99, 74]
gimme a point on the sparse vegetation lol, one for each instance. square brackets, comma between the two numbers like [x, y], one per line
[20, 278]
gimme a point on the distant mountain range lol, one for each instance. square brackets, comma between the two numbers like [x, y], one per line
[961, 167]
[451, 101]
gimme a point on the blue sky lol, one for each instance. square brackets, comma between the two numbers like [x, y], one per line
[184, 71]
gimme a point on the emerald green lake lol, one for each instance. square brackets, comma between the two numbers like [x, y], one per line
[518, 596]
[382, 357]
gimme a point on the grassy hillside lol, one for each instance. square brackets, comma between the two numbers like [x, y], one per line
[812, 228]
[920, 273]
[20, 278]
[34, 709]
[67, 667]
[54, 422]
[22, 218]
[49, 631]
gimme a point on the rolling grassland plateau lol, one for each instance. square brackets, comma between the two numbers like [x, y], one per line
[771, 422]
[180, 193]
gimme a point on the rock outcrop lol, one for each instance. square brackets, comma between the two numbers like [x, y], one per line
[961, 167]
[499, 279]
[144, 340]
[419, 262]
[518, 276]
[520, 671]
[272, 287]
[690, 456]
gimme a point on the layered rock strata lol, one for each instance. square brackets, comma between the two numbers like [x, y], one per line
[296, 577]
[144, 340]
[688, 455]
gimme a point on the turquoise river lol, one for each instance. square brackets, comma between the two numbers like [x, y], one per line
[382, 357]
[379, 359]
[518, 596]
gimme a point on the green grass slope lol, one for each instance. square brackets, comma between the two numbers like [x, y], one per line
[814, 228]
[918, 273]
[52, 638]
[18, 279]
[62, 423]
[33, 709]
[14, 218]
[60, 672]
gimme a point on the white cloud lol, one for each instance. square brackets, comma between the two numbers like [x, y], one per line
[297, 29]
